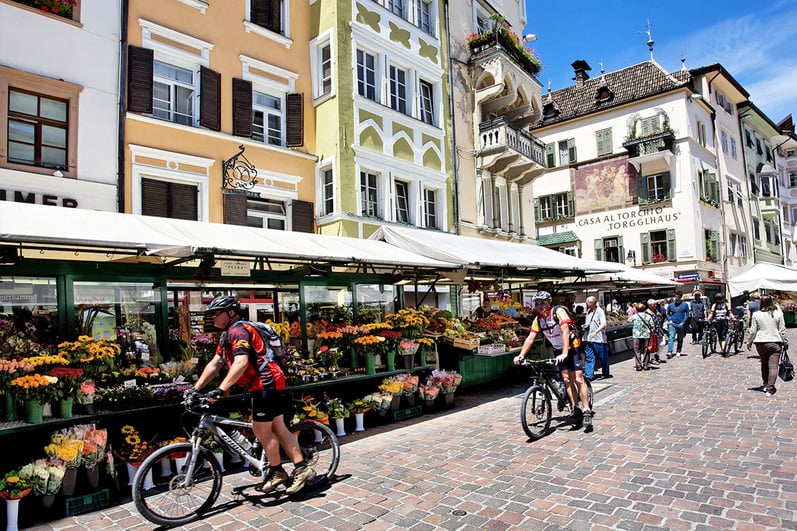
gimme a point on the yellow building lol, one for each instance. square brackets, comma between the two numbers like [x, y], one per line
[202, 79]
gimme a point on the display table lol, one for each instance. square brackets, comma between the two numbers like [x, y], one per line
[477, 369]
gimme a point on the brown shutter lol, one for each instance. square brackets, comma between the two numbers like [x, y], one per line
[235, 209]
[139, 79]
[294, 109]
[303, 218]
[209, 99]
[241, 107]
[276, 19]
[154, 196]
[260, 12]
[183, 201]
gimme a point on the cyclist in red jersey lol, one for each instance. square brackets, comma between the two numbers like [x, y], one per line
[266, 389]
[555, 326]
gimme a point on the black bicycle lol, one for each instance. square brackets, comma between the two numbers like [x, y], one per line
[536, 407]
[710, 339]
[187, 476]
[734, 337]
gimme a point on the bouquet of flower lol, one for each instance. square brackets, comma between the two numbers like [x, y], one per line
[410, 321]
[449, 381]
[177, 370]
[67, 385]
[392, 386]
[408, 347]
[210, 442]
[46, 476]
[94, 356]
[17, 343]
[335, 408]
[328, 357]
[330, 339]
[15, 485]
[429, 391]
[10, 369]
[369, 345]
[33, 387]
[409, 383]
[392, 338]
[202, 347]
[360, 405]
[85, 394]
[94, 443]
[67, 449]
[309, 410]
[132, 449]
[44, 362]
[379, 401]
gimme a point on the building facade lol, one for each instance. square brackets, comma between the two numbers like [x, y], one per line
[59, 104]
[786, 158]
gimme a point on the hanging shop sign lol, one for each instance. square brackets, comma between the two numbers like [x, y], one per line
[235, 268]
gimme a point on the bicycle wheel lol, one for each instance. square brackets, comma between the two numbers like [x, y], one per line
[176, 499]
[739, 343]
[705, 346]
[713, 339]
[320, 449]
[535, 412]
[730, 339]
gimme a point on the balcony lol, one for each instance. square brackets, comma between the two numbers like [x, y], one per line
[651, 148]
[510, 151]
[484, 45]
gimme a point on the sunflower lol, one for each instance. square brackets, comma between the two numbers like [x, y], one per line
[128, 429]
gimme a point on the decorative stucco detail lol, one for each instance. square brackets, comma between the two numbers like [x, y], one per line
[369, 18]
[399, 128]
[402, 149]
[431, 160]
[399, 35]
[371, 139]
[366, 115]
[428, 51]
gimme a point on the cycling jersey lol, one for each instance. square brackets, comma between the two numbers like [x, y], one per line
[551, 329]
[720, 311]
[241, 339]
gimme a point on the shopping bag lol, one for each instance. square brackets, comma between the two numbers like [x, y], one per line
[653, 343]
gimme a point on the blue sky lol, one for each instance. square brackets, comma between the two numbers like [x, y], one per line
[755, 41]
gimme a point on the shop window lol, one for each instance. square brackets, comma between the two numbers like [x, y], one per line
[610, 249]
[654, 188]
[374, 301]
[28, 309]
[658, 246]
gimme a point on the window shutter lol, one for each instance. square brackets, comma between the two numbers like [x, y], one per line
[260, 12]
[665, 183]
[183, 199]
[235, 209]
[276, 16]
[550, 151]
[671, 244]
[642, 189]
[241, 107]
[154, 198]
[537, 210]
[571, 149]
[644, 240]
[303, 218]
[571, 211]
[620, 250]
[598, 248]
[139, 79]
[294, 116]
[209, 99]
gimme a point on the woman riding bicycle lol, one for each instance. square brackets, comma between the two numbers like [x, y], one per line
[265, 386]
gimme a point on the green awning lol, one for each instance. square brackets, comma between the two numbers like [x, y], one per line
[567, 236]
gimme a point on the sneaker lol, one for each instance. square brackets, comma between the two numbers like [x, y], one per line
[273, 479]
[770, 391]
[300, 477]
[588, 421]
[669, 355]
[679, 354]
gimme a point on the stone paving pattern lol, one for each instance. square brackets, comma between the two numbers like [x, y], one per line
[691, 445]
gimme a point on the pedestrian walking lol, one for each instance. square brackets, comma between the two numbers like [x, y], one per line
[597, 345]
[753, 305]
[677, 316]
[768, 333]
[642, 329]
[698, 312]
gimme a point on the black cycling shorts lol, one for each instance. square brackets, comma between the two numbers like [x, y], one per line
[573, 362]
[269, 404]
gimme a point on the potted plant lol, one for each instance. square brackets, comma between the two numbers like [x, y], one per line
[359, 408]
[336, 409]
[368, 347]
[66, 389]
[14, 486]
[33, 390]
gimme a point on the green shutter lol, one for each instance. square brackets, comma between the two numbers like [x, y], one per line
[571, 211]
[571, 149]
[671, 244]
[714, 238]
[642, 189]
[644, 240]
[550, 151]
[665, 182]
[598, 248]
[620, 249]
[537, 210]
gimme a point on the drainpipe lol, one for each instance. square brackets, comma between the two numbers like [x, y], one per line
[454, 160]
[120, 148]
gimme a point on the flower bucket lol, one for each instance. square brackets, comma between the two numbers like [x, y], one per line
[220, 459]
[47, 410]
[358, 421]
[166, 467]
[68, 483]
[131, 474]
[12, 514]
[34, 412]
[390, 357]
[341, 430]
[370, 363]
[93, 477]
[409, 400]
[48, 501]
[10, 407]
[429, 404]
[396, 402]
[179, 463]
[406, 361]
[64, 408]
[449, 399]
[318, 436]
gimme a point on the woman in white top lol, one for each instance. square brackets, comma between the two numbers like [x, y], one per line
[768, 332]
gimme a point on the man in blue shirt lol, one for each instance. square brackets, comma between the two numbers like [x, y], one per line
[677, 316]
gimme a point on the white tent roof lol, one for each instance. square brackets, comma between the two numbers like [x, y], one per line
[481, 252]
[59, 226]
[633, 275]
[764, 276]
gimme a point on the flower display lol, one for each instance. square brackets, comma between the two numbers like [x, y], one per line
[328, 357]
[177, 370]
[408, 347]
[360, 405]
[410, 321]
[16, 343]
[93, 356]
[68, 384]
[369, 345]
[507, 39]
[336, 409]
[447, 380]
[132, 448]
[45, 476]
[14, 485]
[66, 448]
[429, 391]
[409, 383]
[310, 410]
[85, 394]
[379, 401]
[660, 257]
[330, 339]
[34, 387]
[391, 386]
[45, 361]
[10, 369]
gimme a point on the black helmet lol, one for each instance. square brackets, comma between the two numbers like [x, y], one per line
[224, 302]
[719, 296]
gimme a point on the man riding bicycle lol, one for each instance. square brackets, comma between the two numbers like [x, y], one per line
[265, 386]
[556, 325]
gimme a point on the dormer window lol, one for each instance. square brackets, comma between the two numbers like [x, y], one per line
[549, 110]
[603, 95]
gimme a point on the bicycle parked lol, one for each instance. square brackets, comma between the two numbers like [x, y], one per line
[536, 407]
[193, 481]
[734, 337]
[710, 339]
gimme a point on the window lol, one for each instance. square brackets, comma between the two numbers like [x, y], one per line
[430, 208]
[550, 155]
[756, 230]
[366, 75]
[712, 239]
[610, 249]
[654, 188]
[766, 185]
[734, 152]
[794, 215]
[321, 65]
[167, 199]
[66, 10]
[402, 202]
[603, 139]
[398, 89]
[758, 147]
[427, 103]
[267, 119]
[567, 151]
[738, 245]
[658, 246]
[269, 14]
[724, 140]
[793, 179]
[266, 214]
[37, 130]
[368, 195]
[398, 7]
[768, 152]
[709, 187]
[650, 125]
[701, 133]
[327, 188]
[734, 192]
[424, 16]
[748, 139]
[553, 207]
[724, 103]
[173, 93]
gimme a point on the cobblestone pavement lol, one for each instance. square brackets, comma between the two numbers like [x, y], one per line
[692, 445]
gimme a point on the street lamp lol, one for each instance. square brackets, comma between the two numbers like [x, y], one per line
[631, 256]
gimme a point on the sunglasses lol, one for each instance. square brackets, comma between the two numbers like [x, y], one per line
[540, 303]
[216, 313]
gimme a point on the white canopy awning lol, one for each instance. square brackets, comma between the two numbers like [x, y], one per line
[633, 275]
[477, 253]
[173, 238]
[764, 276]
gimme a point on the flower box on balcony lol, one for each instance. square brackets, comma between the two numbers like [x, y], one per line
[510, 43]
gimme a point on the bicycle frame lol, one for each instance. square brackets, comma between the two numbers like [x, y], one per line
[550, 377]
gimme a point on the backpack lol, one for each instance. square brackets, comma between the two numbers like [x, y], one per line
[575, 328]
[274, 353]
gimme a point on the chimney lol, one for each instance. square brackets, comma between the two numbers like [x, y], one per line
[580, 67]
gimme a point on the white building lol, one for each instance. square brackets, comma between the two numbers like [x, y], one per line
[786, 159]
[59, 104]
